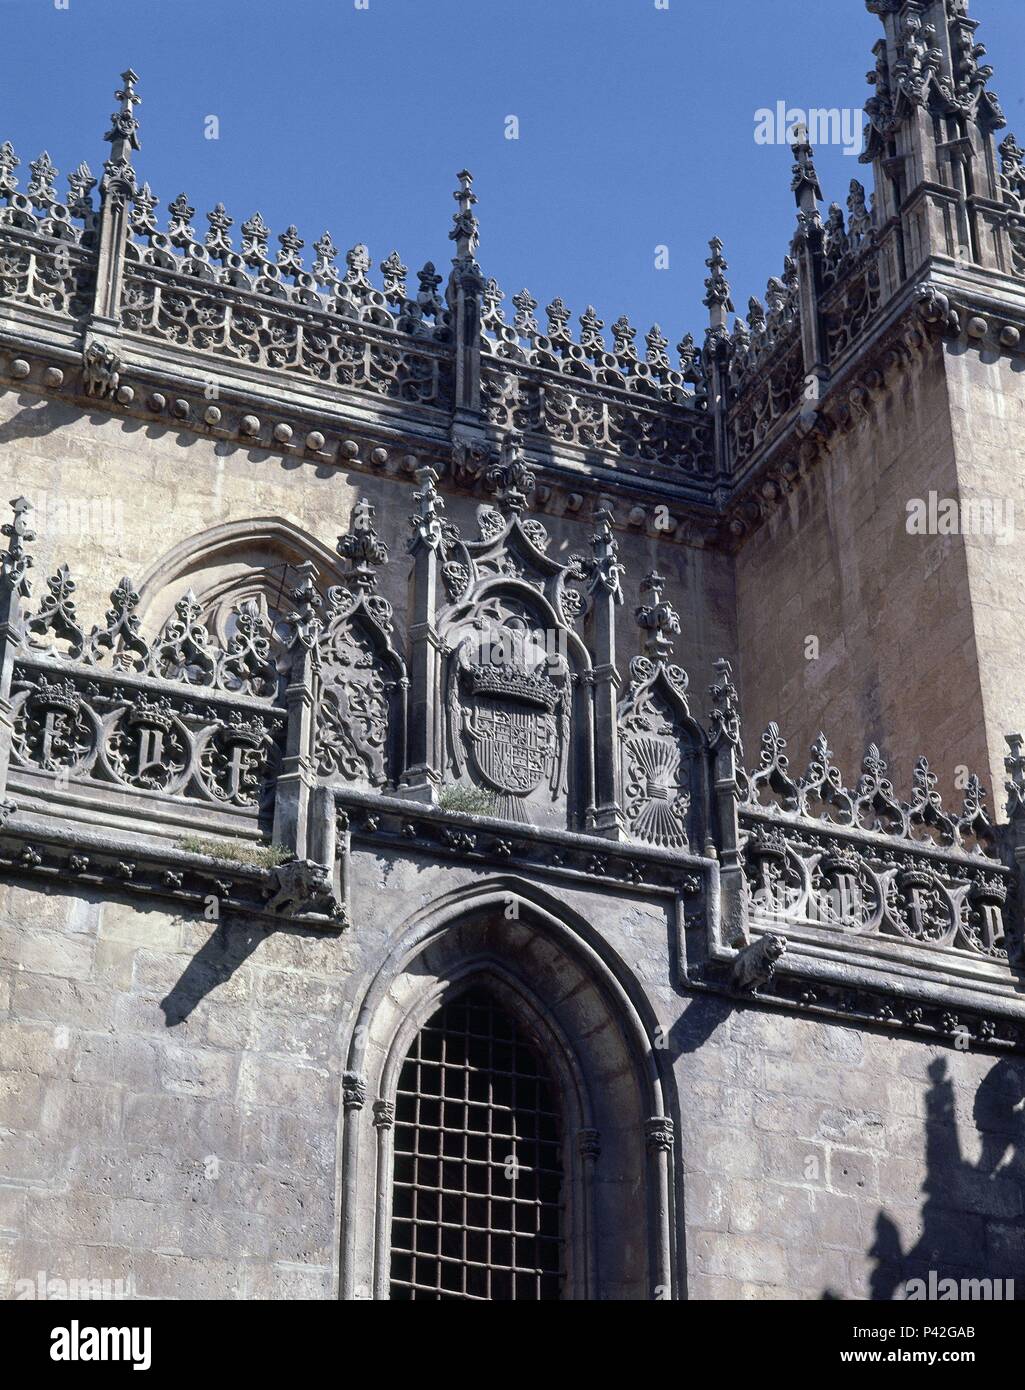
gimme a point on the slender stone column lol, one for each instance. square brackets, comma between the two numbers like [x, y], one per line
[606, 591]
[296, 780]
[1014, 841]
[422, 777]
[15, 585]
[658, 1134]
[384, 1123]
[727, 751]
[354, 1096]
[589, 1145]
[328, 844]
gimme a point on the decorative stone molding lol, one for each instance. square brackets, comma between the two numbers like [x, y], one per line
[658, 1134]
[117, 865]
[354, 1092]
[698, 451]
[589, 1144]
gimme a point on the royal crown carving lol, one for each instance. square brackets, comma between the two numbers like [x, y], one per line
[498, 689]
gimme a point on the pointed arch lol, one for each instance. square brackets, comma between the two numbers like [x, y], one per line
[457, 613]
[257, 557]
[570, 991]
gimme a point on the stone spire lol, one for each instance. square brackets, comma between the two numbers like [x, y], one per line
[808, 253]
[511, 478]
[362, 546]
[932, 120]
[466, 230]
[464, 296]
[15, 562]
[117, 189]
[427, 521]
[718, 300]
[719, 303]
[658, 620]
[805, 181]
[606, 573]
[123, 135]
[928, 59]
[305, 621]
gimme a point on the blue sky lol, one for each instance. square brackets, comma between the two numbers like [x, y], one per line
[636, 124]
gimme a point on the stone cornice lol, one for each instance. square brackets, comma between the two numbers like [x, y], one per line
[855, 1002]
[342, 429]
[75, 858]
[337, 430]
[438, 831]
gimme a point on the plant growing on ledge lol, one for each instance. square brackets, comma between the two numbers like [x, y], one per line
[474, 801]
[238, 851]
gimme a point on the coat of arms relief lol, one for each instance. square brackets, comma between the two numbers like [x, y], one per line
[509, 710]
[512, 687]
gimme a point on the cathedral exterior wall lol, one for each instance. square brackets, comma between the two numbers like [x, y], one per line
[885, 614]
[823, 1161]
[987, 412]
[399, 896]
[196, 1160]
[115, 496]
[199, 1156]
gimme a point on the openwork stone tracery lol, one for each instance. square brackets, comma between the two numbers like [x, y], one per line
[863, 862]
[501, 692]
[452, 352]
[179, 715]
[360, 676]
[513, 681]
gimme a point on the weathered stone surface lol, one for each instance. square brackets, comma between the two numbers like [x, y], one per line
[306, 807]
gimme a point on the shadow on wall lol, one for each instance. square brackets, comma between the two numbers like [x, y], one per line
[213, 965]
[38, 417]
[229, 946]
[971, 1225]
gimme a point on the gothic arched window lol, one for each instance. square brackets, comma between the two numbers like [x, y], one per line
[478, 1208]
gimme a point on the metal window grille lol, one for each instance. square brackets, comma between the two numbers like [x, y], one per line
[477, 1203]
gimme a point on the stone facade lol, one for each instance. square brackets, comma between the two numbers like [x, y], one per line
[343, 635]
